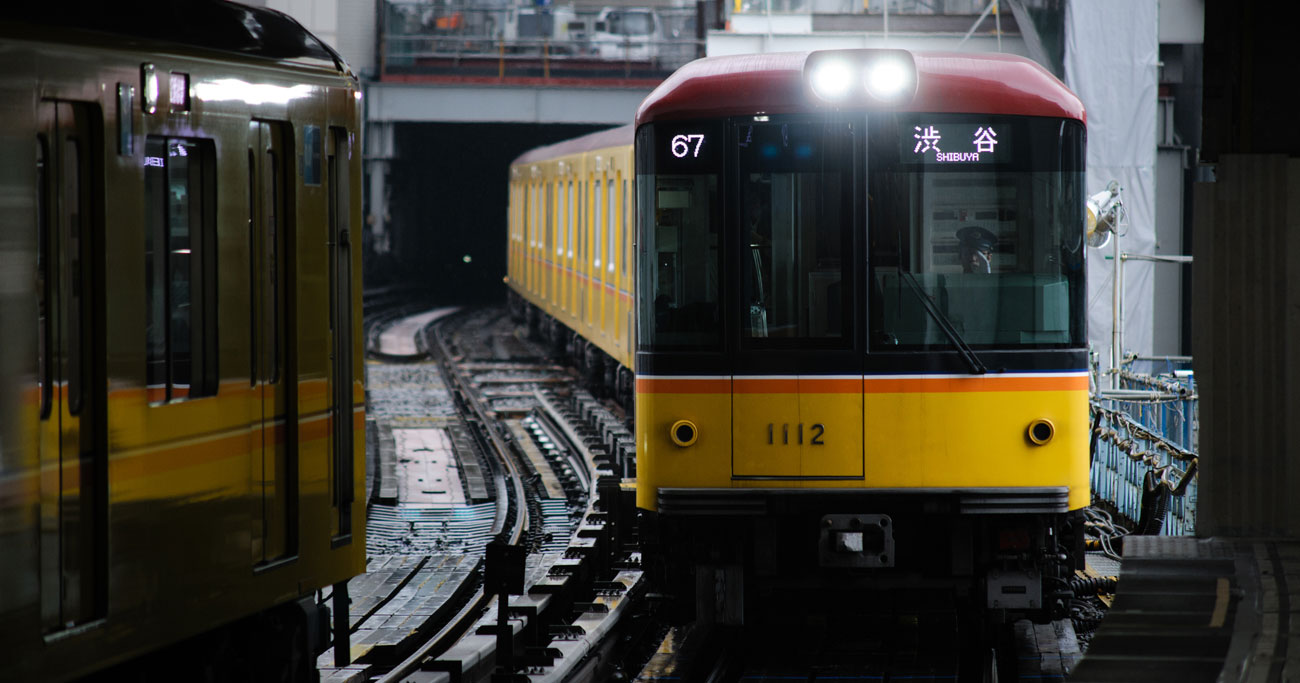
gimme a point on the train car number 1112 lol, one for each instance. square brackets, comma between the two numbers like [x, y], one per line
[815, 431]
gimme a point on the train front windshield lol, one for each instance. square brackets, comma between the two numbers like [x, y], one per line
[975, 224]
[968, 229]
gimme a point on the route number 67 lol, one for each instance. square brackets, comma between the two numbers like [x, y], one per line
[682, 145]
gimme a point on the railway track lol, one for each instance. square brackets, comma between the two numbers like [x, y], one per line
[551, 459]
[530, 471]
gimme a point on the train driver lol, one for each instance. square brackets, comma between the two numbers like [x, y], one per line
[975, 249]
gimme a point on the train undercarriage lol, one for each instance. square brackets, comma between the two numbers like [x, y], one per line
[726, 556]
[603, 376]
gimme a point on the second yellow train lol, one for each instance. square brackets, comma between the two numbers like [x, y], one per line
[570, 252]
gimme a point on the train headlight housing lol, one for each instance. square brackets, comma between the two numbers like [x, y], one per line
[831, 80]
[683, 433]
[1040, 432]
[861, 77]
[889, 78]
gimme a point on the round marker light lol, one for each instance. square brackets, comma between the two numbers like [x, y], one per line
[831, 79]
[888, 79]
[1041, 431]
[683, 433]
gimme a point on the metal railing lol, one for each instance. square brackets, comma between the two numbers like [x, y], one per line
[893, 7]
[1144, 446]
[479, 41]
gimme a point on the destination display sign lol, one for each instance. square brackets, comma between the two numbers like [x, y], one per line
[949, 142]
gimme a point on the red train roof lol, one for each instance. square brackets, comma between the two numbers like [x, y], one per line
[601, 139]
[948, 82]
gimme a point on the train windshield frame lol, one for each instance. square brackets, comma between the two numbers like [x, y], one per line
[794, 180]
[918, 200]
[975, 224]
[679, 246]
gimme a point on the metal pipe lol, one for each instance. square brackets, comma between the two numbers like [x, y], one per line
[1157, 258]
[1172, 359]
[767, 47]
[342, 630]
[997, 22]
[973, 26]
[1117, 313]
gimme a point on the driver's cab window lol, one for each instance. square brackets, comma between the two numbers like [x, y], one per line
[795, 215]
[983, 243]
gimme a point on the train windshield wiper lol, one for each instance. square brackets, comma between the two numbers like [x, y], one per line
[963, 349]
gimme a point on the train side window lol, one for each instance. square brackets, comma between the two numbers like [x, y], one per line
[564, 222]
[548, 288]
[70, 195]
[43, 266]
[252, 269]
[597, 225]
[180, 268]
[623, 211]
[609, 224]
[679, 243]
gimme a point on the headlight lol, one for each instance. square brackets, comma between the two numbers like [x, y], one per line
[861, 77]
[888, 78]
[831, 79]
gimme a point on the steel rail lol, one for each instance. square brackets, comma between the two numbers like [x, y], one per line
[509, 484]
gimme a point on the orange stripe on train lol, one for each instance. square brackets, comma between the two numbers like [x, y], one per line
[869, 385]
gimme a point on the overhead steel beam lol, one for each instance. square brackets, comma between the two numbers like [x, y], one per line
[462, 103]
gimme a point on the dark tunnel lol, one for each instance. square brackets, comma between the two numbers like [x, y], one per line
[448, 207]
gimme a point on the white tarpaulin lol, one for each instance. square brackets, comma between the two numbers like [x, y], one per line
[1111, 62]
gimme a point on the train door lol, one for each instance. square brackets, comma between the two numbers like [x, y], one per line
[561, 231]
[797, 406]
[593, 320]
[570, 267]
[625, 213]
[72, 445]
[609, 298]
[274, 434]
[339, 154]
[552, 279]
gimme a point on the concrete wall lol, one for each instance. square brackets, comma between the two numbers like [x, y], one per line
[1246, 341]
[1167, 287]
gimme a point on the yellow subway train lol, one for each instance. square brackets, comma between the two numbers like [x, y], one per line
[854, 304]
[181, 409]
[570, 252]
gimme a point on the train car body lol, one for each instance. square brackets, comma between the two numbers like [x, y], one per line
[180, 394]
[860, 357]
[570, 251]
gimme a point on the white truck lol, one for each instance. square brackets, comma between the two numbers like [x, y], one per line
[628, 33]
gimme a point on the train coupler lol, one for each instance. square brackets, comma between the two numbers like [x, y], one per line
[856, 541]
